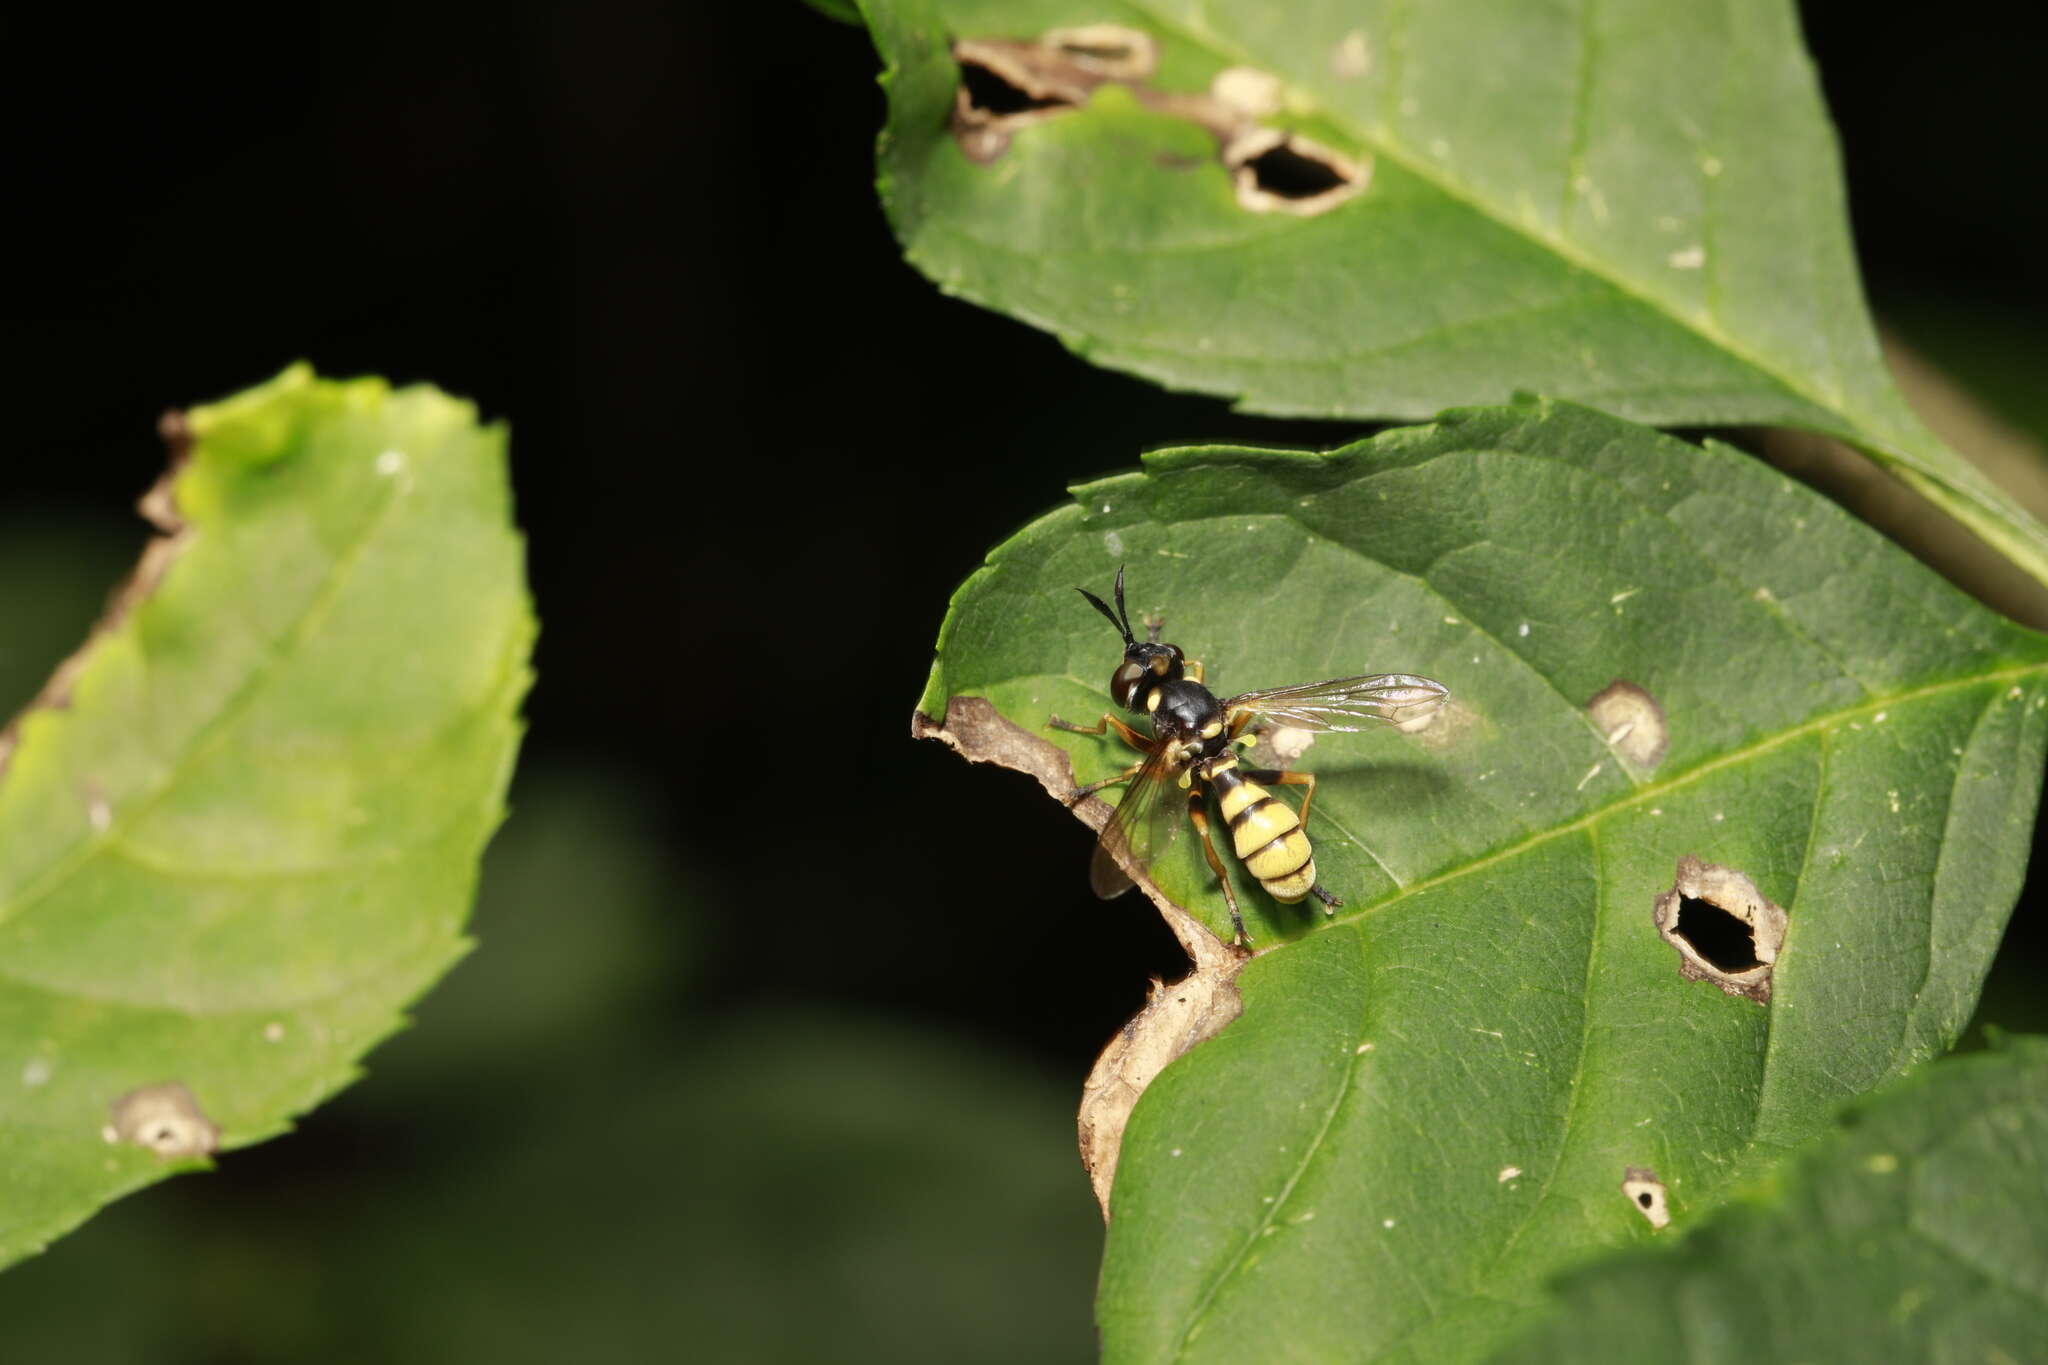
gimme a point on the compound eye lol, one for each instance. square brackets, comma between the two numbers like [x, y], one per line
[1124, 686]
[1178, 657]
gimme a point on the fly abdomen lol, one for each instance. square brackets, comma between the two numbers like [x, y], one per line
[1268, 837]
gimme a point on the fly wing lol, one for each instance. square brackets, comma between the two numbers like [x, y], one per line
[1144, 826]
[1401, 699]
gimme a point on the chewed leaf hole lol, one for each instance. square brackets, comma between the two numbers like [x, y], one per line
[1280, 172]
[1723, 929]
[1291, 175]
[1646, 1192]
[1721, 938]
[166, 1119]
[1006, 84]
[992, 93]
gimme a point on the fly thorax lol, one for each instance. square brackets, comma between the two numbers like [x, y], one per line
[1187, 708]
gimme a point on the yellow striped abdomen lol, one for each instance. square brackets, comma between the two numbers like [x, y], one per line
[1269, 841]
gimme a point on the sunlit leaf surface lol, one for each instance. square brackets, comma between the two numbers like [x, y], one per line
[241, 830]
[1431, 1101]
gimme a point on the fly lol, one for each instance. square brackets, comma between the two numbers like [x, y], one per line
[1193, 745]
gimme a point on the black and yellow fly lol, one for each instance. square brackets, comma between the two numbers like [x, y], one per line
[1193, 746]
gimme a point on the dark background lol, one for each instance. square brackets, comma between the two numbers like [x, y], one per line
[670, 1101]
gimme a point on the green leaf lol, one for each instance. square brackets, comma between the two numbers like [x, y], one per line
[1913, 1234]
[1429, 1102]
[240, 829]
[1636, 204]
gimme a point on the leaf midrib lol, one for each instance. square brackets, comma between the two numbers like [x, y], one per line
[1273, 1206]
[1655, 789]
[1588, 823]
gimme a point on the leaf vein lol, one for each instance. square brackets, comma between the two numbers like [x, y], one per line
[1576, 1090]
[1272, 1212]
[1706, 768]
[216, 726]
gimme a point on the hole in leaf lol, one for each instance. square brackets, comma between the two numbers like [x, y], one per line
[1722, 939]
[1723, 929]
[1646, 1192]
[989, 92]
[166, 1119]
[1005, 85]
[1278, 172]
[1287, 173]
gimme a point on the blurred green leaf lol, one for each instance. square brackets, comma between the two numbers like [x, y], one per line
[1636, 204]
[637, 1202]
[1913, 1234]
[1429, 1102]
[243, 831]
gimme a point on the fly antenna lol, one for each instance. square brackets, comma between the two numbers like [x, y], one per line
[1121, 609]
[1103, 607]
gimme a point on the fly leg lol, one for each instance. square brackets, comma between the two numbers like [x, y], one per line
[1083, 793]
[1198, 811]
[1280, 777]
[1102, 727]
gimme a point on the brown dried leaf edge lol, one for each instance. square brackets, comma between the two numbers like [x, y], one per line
[158, 508]
[1177, 1016]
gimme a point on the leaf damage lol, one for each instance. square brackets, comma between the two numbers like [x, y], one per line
[1647, 1194]
[159, 507]
[1723, 929]
[1009, 83]
[1175, 1016]
[1632, 722]
[166, 1119]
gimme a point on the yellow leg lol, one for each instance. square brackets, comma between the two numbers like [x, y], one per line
[1102, 727]
[1199, 813]
[1083, 793]
[1193, 668]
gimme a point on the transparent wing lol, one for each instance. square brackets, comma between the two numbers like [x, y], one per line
[1146, 823]
[1390, 698]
